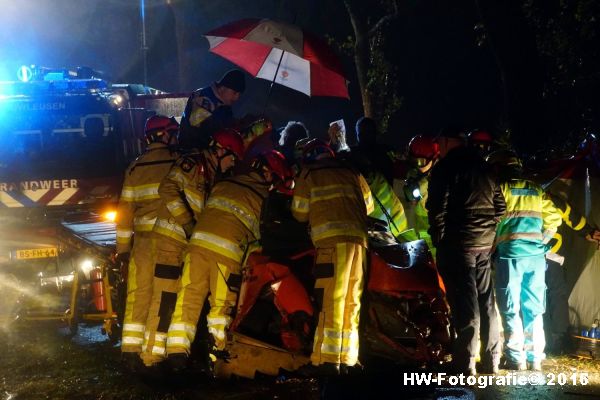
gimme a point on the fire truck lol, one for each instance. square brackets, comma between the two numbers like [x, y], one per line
[67, 136]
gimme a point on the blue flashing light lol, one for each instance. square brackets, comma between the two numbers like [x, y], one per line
[24, 73]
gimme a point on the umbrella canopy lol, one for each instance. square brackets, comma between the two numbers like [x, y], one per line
[282, 53]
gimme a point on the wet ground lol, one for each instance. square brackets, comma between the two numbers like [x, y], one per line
[42, 361]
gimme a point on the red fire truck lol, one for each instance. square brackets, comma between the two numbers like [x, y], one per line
[67, 136]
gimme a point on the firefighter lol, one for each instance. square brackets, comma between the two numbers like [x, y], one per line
[209, 109]
[521, 238]
[481, 140]
[183, 195]
[423, 153]
[226, 231]
[335, 200]
[387, 206]
[556, 318]
[136, 214]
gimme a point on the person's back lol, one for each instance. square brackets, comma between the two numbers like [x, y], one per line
[531, 220]
[335, 199]
[337, 205]
[464, 205]
[464, 200]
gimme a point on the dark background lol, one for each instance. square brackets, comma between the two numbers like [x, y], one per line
[447, 66]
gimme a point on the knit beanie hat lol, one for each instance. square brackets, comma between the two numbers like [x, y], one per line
[234, 80]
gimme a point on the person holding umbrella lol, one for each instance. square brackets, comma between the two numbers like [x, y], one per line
[209, 109]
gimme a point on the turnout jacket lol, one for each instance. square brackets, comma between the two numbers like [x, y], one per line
[465, 201]
[230, 222]
[335, 200]
[183, 194]
[139, 202]
[531, 220]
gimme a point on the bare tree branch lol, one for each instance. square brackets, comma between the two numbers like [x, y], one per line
[384, 20]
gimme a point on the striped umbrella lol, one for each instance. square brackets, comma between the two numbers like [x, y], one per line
[281, 53]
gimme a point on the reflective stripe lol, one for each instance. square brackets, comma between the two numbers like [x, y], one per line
[523, 213]
[176, 207]
[159, 350]
[143, 224]
[183, 327]
[178, 341]
[217, 333]
[329, 349]
[300, 204]
[218, 321]
[332, 192]
[217, 244]
[177, 176]
[328, 333]
[124, 233]
[146, 192]
[369, 203]
[132, 340]
[196, 202]
[580, 225]
[239, 211]
[127, 194]
[338, 229]
[174, 231]
[523, 235]
[134, 327]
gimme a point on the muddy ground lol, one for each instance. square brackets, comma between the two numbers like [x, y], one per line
[42, 361]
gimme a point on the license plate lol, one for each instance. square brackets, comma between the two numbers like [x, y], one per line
[27, 254]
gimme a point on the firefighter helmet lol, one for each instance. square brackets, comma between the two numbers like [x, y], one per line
[274, 162]
[315, 148]
[423, 147]
[159, 125]
[230, 140]
[480, 138]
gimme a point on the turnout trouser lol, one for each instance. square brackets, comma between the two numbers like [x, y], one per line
[139, 292]
[467, 276]
[204, 271]
[339, 273]
[167, 271]
[520, 288]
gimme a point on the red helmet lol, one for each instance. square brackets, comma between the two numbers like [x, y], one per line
[423, 147]
[274, 162]
[315, 148]
[158, 125]
[229, 140]
[479, 136]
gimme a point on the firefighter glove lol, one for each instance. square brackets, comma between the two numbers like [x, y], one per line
[593, 236]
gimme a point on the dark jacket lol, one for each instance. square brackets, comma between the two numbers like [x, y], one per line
[465, 201]
[204, 114]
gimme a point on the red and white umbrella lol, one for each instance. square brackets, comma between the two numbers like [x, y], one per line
[282, 53]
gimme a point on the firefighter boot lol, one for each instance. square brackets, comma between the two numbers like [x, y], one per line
[132, 361]
[178, 362]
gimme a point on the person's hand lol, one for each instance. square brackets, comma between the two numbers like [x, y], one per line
[594, 236]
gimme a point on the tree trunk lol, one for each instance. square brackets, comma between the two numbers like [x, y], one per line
[361, 57]
[522, 75]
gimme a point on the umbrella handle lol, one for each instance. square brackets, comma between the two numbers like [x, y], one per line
[272, 83]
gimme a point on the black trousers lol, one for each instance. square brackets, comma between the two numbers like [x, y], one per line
[556, 318]
[468, 279]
